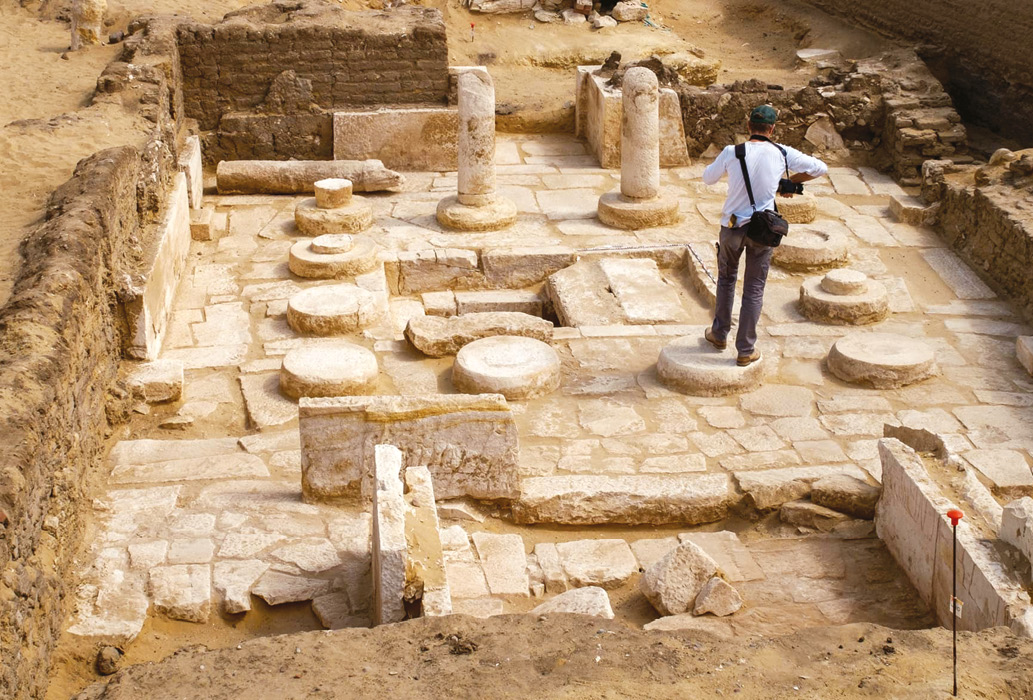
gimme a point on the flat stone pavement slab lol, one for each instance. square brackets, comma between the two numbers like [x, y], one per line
[957, 275]
[504, 562]
[607, 563]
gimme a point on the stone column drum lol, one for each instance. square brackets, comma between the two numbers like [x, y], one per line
[87, 22]
[640, 203]
[477, 206]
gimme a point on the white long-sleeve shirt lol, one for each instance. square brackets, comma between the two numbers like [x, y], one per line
[766, 167]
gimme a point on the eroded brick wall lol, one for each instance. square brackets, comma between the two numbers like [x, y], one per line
[980, 50]
[271, 75]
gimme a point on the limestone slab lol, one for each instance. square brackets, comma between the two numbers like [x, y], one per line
[778, 401]
[607, 563]
[157, 381]
[266, 406]
[407, 139]
[956, 275]
[580, 298]
[1007, 470]
[182, 592]
[389, 550]
[644, 296]
[591, 600]
[640, 499]
[767, 489]
[224, 466]
[504, 562]
[508, 300]
[732, 556]
[233, 580]
[277, 588]
[672, 584]
[438, 336]
[468, 442]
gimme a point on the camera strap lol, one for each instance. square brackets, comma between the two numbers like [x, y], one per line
[740, 153]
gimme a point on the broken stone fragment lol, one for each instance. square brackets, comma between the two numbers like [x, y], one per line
[157, 381]
[847, 495]
[629, 12]
[438, 336]
[182, 592]
[300, 176]
[606, 563]
[277, 588]
[233, 581]
[807, 514]
[717, 597]
[673, 583]
[590, 600]
[334, 612]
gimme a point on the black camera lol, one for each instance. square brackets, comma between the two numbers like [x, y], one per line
[787, 186]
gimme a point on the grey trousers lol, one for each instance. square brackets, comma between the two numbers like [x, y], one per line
[758, 261]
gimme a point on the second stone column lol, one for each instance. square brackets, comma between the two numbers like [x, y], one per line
[477, 206]
[640, 202]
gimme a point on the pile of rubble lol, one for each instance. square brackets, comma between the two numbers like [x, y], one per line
[599, 15]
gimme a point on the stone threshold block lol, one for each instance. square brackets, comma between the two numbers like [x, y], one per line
[407, 138]
[149, 310]
[629, 500]
[469, 444]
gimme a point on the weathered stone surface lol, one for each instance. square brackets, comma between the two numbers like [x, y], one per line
[504, 562]
[818, 303]
[196, 550]
[460, 509]
[799, 210]
[332, 192]
[957, 275]
[233, 581]
[469, 443]
[846, 494]
[465, 581]
[300, 176]
[388, 537]
[580, 298]
[1008, 471]
[1017, 526]
[157, 381]
[717, 597]
[266, 407]
[87, 22]
[333, 310]
[478, 607]
[277, 588]
[643, 294]
[314, 555]
[692, 366]
[732, 556]
[672, 584]
[778, 401]
[591, 600]
[495, 215]
[629, 12]
[589, 499]
[501, 6]
[623, 212]
[334, 611]
[226, 466]
[503, 300]
[512, 268]
[310, 259]
[607, 563]
[807, 514]
[426, 579]
[555, 578]
[439, 336]
[1024, 351]
[182, 592]
[881, 360]
[516, 367]
[354, 217]
[412, 139]
[767, 489]
[342, 369]
[812, 248]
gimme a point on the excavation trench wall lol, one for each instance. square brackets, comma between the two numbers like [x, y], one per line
[61, 339]
[264, 82]
[979, 49]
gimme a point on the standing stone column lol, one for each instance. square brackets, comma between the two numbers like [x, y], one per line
[477, 206]
[640, 203]
[87, 22]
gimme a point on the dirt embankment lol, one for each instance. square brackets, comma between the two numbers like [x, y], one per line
[565, 656]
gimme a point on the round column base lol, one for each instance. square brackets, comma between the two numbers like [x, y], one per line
[630, 214]
[354, 217]
[499, 214]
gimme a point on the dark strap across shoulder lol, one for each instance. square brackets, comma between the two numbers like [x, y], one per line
[740, 153]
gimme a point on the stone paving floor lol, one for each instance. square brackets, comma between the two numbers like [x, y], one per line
[192, 520]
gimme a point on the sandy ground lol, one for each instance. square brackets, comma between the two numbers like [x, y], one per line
[565, 656]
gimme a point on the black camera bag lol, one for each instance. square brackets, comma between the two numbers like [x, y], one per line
[765, 227]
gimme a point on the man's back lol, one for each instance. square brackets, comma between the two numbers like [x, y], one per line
[767, 166]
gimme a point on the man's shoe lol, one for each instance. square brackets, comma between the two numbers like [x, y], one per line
[719, 344]
[747, 360]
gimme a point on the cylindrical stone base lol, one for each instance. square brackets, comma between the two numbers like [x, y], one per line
[857, 309]
[798, 209]
[630, 214]
[514, 366]
[332, 310]
[333, 193]
[354, 217]
[329, 370]
[693, 366]
[306, 261]
[881, 360]
[811, 248]
[499, 214]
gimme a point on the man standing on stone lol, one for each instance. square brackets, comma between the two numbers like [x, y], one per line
[766, 166]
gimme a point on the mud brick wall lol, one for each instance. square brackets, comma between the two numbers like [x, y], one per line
[345, 59]
[980, 50]
[61, 341]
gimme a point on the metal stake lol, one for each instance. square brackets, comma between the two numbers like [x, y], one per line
[955, 515]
